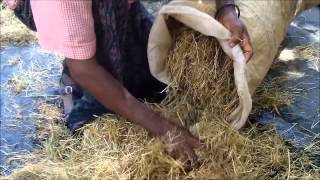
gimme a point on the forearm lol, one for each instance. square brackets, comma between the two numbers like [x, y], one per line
[97, 81]
[221, 3]
[223, 8]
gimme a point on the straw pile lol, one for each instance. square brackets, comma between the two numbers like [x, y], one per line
[202, 95]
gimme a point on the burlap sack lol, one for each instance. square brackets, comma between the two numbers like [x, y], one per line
[267, 22]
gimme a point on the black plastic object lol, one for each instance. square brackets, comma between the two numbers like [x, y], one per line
[85, 111]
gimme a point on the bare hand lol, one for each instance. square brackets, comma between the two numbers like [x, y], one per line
[229, 18]
[183, 147]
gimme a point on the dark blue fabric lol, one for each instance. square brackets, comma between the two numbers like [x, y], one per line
[24, 13]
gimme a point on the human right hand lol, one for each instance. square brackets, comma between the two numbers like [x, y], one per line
[183, 146]
[115, 97]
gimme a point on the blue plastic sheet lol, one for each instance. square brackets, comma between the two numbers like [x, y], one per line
[19, 110]
[299, 123]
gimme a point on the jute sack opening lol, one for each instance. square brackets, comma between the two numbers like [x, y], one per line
[267, 23]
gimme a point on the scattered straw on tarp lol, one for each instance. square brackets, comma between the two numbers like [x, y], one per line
[270, 96]
[309, 52]
[201, 96]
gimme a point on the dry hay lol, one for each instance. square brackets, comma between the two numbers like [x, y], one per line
[16, 84]
[12, 30]
[269, 96]
[309, 52]
[27, 81]
[31, 78]
[201, 97]
[202, 79]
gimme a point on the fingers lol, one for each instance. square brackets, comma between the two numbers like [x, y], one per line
[186, 155]
[246, 47]
[192, 160]
[189, 158]
[195, 143]
[174, 153]
[183, 147]
[244, 41]
[240, 36]
[189, 150]
[184, 152]
[236, 38]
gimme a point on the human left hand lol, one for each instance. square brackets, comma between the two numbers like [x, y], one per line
[229, 18]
